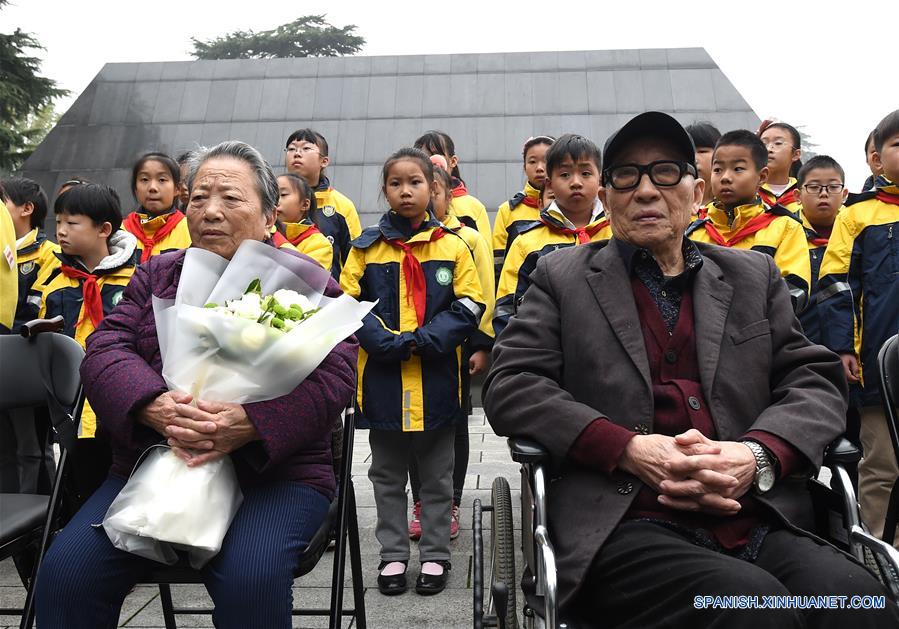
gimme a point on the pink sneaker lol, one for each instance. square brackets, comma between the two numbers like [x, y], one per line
[454, 523]
[415, 522]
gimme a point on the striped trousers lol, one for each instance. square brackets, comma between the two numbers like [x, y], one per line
[84, 579]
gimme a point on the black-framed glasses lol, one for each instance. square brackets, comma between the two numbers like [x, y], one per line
[816, 188]
[664, 173]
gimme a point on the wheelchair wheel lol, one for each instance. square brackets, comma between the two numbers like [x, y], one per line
[503, 548]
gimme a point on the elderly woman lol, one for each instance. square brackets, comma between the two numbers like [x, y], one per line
[280, 448]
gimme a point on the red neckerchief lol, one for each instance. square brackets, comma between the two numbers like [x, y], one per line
[296, 241]
[531, 202]
[886, 197]
[460, 190]
[93, 304]
[415, 277]
[133, 225]
[790, 196]
[757, 223]
[584, 234]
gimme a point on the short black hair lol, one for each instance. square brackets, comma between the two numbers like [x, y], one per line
[438, 143]
[309, 135]
[886, 128]
[820, 161]
[302, 188]
[21, 190]
[534, 141]
[184, 157]
[171, 165]
[748, 140]
[99, 203]
[869, 142]
[574, 147]
[705, 135]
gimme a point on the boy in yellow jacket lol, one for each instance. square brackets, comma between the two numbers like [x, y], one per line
[575, 217]
[739, 218]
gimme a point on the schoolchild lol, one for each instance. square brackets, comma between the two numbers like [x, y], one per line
[157, 223]
[410, 360]
[858, 298]
[575, 217]
[306, 155]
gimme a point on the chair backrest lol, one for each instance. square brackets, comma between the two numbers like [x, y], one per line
[33, 369]
[889, 367]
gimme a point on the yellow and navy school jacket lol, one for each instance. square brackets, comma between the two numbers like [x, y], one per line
[858, 289]
[399, 389]
[62, 295]
[469, 210]
[33, 253]
[307, 239]
[773, 230]
[553, 231]
[513, 215]
[789, 198]
[9, 274]
[809, 318]
[480, 251]
[336, 218]
[158, 233]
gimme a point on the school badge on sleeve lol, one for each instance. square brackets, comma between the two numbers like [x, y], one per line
[26, 268]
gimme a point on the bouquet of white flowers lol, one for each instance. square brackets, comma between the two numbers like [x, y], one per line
[221, 344]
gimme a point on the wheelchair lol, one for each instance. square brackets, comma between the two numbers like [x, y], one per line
[836, 518]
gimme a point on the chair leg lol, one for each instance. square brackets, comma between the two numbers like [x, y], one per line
[356, 561]
[27, 620]
[336, 616]
[168, 608]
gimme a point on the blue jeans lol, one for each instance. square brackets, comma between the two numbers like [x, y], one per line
[84, 579]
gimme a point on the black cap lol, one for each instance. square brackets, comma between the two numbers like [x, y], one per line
[650, 124]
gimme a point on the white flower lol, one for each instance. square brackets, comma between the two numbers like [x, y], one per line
[287, 298]
[249, 306]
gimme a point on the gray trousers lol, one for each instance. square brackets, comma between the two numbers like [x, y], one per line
[432, 451]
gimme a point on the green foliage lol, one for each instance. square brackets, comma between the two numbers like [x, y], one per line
[308, 36]
[26, 98]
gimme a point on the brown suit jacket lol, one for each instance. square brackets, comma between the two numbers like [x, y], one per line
[575, 352]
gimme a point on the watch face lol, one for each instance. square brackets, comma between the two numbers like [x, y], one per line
[765, 479]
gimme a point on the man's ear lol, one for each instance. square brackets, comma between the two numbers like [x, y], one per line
[845, 193]
[763, 175]
[878, 163]
[601, 194]
[106, 229]
[698, 193]
[27, 209]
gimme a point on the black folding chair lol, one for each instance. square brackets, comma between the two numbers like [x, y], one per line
[888, 364]
[39, 368]
[341, 520]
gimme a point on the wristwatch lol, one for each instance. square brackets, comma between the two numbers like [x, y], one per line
[764, 468]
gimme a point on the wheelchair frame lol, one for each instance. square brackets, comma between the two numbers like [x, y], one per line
[840, 516]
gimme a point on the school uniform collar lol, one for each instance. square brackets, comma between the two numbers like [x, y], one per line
[811, 234]
[554, 217]
[146, 217]
[293, 230]
[395, 227]
[452, 223]
[324, 184]
[882, 184]
[30, 242]
[122, 248]
[720, 217]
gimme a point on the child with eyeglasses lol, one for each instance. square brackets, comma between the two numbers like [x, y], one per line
[524, 207]
[822, 191]
[784, 146]
[739, 218]
[306, 155]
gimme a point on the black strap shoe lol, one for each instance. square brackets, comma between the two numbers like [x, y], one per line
[428, 584]
[393, 584]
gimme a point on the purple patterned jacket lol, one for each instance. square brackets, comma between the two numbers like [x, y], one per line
[122, 373]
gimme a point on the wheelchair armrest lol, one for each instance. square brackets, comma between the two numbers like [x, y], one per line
[841, 451]
[37, 326]
[527, 452]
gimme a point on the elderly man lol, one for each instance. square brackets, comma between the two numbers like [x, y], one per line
[686, 410]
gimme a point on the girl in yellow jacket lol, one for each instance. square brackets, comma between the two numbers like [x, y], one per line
[784, 146]
[294, 228]
[157, 223]
[409, 394]
[467, 208]
[524, 207]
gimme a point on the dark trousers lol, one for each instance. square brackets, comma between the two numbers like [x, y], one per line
[647, 576]
[461, 448]
[84, 579]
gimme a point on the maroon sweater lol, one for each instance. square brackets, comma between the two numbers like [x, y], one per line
[122, 371]
[679, 405]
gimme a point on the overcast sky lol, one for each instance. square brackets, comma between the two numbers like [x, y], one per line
[829, 68]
